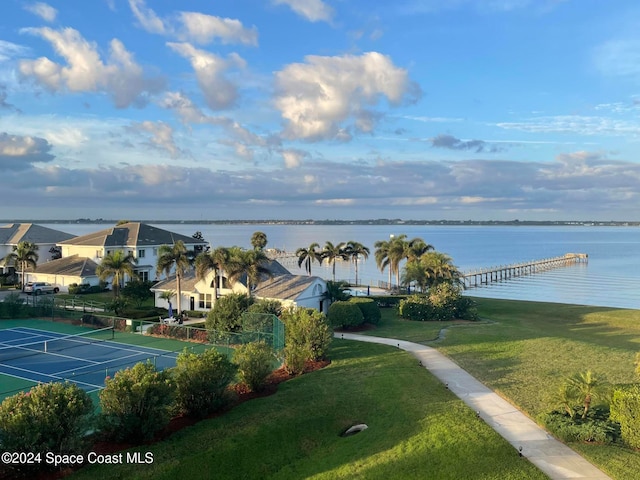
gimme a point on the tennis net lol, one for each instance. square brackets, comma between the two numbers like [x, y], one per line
[53, 345]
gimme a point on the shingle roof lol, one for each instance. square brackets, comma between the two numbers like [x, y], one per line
[284, 287]
[73, 265]
[132, 234]
[14, 233]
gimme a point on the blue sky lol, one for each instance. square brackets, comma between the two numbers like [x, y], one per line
[324, 109]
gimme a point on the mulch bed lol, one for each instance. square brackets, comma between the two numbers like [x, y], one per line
[241, 395]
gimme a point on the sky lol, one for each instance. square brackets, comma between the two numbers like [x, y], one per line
[320, 109]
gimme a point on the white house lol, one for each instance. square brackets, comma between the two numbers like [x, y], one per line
[81, 255]
[290, 290]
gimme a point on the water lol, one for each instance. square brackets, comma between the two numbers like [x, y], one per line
[611, 277]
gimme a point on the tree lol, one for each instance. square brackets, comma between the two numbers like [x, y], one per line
[251, 263]
[382, 256]
[215, 261]
[336, 291]
[587, 387]
[308, 256]
[439, 268]
[259, 240]
[168, 295]
[355, 250]
[116, 264]
[175, 257]
[332, 252]
[24, 255]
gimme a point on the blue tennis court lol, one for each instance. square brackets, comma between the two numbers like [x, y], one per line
[84, 359]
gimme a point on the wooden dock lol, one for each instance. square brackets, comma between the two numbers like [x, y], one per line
[489, 275]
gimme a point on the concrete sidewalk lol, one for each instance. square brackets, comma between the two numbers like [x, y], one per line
[551, 456]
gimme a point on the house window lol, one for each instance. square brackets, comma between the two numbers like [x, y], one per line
[205, 300]
[143, 276]
[98, 253]
[141, 253]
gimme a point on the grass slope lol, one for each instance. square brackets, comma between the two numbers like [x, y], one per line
[417, 429]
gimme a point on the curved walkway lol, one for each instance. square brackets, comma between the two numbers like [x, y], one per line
[554, 458]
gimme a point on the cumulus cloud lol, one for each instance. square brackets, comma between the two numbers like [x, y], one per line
[119, 76]
[211, 71]
[293, 157]
[194, 26]
[327, 97]
[42, 10]
[453, 143]
[20, 152]
[312, 10]
[160, 136]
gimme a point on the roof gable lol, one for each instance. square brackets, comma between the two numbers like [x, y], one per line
[14, 233]
[73, 265]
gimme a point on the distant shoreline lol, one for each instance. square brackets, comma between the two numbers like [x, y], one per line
[381, 221]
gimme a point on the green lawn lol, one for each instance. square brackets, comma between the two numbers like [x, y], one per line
[524, 351]
[417, 429]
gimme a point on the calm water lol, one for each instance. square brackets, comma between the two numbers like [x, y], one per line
[611, 278]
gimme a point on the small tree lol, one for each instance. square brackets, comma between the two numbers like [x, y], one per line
[201, 382]
[255, 363]
[226, 314]
[307, 335]
[137, 291]
[136, 403]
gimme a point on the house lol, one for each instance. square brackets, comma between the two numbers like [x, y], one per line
[82, 255]
[45, 238]
[291, 290]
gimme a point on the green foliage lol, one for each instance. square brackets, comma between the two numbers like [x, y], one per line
[137, 291]
[255, 363]
[369, 309]
[444, 302]
[12, 304]
[625, 407]
[201, 381]
[307, 337]
[596, 427]
[336, 291]
[273, 307]
[345, 315]
[136, 403]
[227, 312]
[51, 417]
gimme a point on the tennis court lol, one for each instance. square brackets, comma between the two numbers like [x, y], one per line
[30, 354]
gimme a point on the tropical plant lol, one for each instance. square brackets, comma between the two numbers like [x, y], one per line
[24, 255]
[336, 291]
[215, 261]
[259, 240]
[587, 387]
[308, 256]
[117, 264]
[355, 250]
[249, 263]
[167, 295]
[382, 256]
[175, 257]
[332, 252]
[431, 269]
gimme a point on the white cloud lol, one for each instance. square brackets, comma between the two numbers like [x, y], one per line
[293, 157]
[578, 124]
[120, 76]
[9, 51]
[312, 10]
[44, 11]
[203, 29]
[161, 136]
[17, 152]
[210, 70]
[326, 97]
[149, 21]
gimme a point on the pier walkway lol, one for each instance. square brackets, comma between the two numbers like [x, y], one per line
[488, 275]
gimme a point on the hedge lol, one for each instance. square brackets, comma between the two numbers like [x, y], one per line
[369, 309]
[345, 315]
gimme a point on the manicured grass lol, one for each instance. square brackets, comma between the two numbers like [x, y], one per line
[417, 429]
[525, 350]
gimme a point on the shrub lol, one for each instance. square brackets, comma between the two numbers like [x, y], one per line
[369, 309]
[51, 417]
[416, 307]
[307, 337]
[443, 302]
[13, 304]
[295, 357]
[201, 381]
[136, 403]
[595, 428]
[273, 307]
[387, 301]
[227, 312]
[255, 363]
[625, 406]
[345, 315]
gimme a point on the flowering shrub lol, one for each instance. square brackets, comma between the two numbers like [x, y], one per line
[136, 403]
[201, 382]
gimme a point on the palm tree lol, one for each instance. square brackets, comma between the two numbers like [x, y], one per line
[308, 255]
[587, 387]
[382, 256]
[414, 272]
[336, 291]
[175, 257]
[415, 248]
[22, 256]
[398, 247]
[251, 263]
[215, 260]
[259, 240]
[168, 295]
[332, 252]
[355, 250]
[117, 264]
[439, 268]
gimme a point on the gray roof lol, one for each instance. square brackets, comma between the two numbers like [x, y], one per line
[73, 265]
[284, 287]
[14, 233]
[132, 234]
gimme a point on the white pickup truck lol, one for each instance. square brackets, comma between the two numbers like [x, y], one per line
[38, 288]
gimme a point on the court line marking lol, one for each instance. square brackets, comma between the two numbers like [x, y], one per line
[43, 375]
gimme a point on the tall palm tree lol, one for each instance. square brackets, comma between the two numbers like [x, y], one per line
[415, 248]
[355, 250]
[259, 240]
[252, 263]
[382, 256]
[332, 252]
[117, 264]
[308, 255]
[22, 256]
[175, 257]
[398, 247]
[214, 260]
